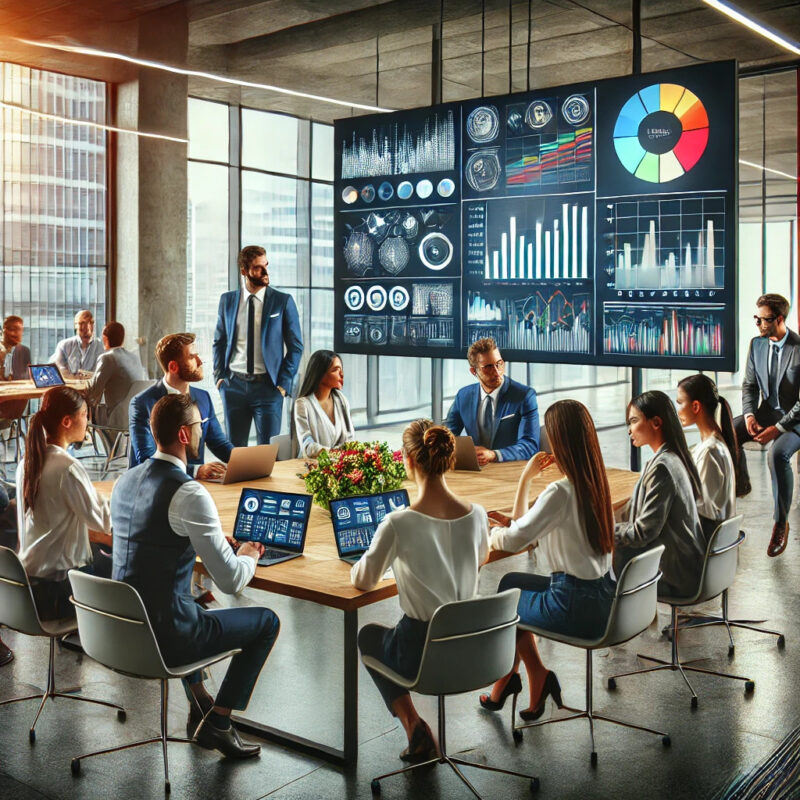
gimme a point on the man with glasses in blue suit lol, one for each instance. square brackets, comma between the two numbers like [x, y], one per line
[258, 344]
[500, 415]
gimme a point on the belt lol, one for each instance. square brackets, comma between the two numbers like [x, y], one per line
[261, 377]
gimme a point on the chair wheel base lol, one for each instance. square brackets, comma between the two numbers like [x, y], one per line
[517, 736]
[32, 736]
[534, 787]
[593, 758]
[375, 787]
[666, 741]
[612, 684]
[749, 686]
[781, 641]
[122, 715]
[75, 766]
[694, 701]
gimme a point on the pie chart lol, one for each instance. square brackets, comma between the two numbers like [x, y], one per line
[661, 132]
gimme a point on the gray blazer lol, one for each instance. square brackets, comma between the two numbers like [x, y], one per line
[20, 359]
[116, 371]
[755, 387]
[663, 510]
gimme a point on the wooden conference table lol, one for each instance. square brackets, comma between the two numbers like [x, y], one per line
[25, 390]
[319, 576]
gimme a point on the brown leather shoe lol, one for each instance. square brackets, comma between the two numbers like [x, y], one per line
[779, 540]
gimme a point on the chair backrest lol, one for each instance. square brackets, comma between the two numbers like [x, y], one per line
[470, 644]
[114, 626]
[17, 609]
[722, 558]
[284, 442]
[634, 604]
[118, 418]
[544, 440]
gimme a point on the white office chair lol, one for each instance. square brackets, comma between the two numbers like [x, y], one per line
[469, 645]
[719, 570]
[632, 611]
[116, 631]
[285, 449]
[18, 612]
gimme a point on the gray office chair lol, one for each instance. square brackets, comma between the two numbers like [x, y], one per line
[469, 645]
[719, 570]
[544, 440]
[116, 631]
[632, 611]
[18, 612]
[285, 449]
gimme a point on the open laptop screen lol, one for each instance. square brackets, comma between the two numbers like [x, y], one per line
[276, 519]
[44, 375]
[355, 519]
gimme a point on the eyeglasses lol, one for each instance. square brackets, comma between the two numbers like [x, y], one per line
[198, 422]
[498, 366]
[760, 320]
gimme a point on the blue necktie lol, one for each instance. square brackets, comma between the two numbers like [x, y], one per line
[488, 422]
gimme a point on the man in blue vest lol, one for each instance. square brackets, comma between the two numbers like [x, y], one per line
[162, 521]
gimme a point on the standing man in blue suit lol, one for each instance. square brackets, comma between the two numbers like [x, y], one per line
[182, 366]
[257, 348]
[500, 415]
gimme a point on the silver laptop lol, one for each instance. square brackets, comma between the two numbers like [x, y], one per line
[466, 457]
[249, 463]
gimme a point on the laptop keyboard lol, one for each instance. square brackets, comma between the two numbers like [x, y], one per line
[271, 555]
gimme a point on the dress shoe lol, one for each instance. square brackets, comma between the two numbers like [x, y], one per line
[226, 741]
[422, 746]
[6, 654]
[197, 714]
[551, 688]
[779, 540]
[513, 686]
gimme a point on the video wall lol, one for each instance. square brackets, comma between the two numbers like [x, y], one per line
[587, 224]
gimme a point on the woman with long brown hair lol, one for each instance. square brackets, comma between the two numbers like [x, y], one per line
[573, 523]
[57, 504]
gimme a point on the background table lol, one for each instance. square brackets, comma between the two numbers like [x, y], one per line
[25, 390]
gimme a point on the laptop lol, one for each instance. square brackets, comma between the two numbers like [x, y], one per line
[355, 520]
[466, 457]
[249, 463]
[278, 520]
[45, 375]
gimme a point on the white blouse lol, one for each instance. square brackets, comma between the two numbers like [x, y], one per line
[715, 466]
[434, 561]
[54, 536]
[315, 431]
[555, 521]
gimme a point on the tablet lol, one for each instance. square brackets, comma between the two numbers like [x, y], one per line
[45, 375]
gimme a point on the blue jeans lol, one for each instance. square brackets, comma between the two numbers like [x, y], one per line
[246, 402]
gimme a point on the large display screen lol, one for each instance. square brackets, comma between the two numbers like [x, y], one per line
[587, 224]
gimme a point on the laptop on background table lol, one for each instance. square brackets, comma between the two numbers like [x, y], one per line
[250, 463]
[278, 520]
[45, 375]
[355, 520]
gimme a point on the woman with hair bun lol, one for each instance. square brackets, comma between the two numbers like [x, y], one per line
[56, 502]
[435, 548]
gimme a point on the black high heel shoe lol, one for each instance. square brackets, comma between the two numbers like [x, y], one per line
[552, 688]
[514, 686]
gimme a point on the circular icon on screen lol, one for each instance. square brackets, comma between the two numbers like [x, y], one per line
[368, 193]
[251, 505]
[575, 109]
[483, 124]
[398, 297]
[424, 188]
[538, 114]
[435, 251]
[483, 170]
[385, 191]
[405, 189]
[376, 298]
[349, 194]
[354, 297]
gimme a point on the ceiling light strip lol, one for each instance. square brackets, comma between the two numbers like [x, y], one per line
[88, 124]
[193, 73]
[742, 18]
[768, 169]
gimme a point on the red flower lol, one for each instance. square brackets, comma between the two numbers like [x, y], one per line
[397, 455]
[356, 476]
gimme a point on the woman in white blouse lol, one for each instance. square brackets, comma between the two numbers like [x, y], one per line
[321, 412]
[573, 523]
[716, 455]
[435, 548]
[56, 502]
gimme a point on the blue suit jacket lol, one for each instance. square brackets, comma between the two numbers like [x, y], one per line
[280, 325]
[143, 445]
[516, 421]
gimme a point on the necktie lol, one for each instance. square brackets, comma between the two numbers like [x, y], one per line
[773, 377]
[251, 334]
[488, 422]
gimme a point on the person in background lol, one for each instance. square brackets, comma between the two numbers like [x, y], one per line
[78, 355]
[321, 412]
[572, 521]
[500, 415]
[435, 548]
[663, 508]
[15, 358]
[8, 538]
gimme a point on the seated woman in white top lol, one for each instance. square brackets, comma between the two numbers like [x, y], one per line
[435, 548]
[56, 502]
[716, 455]
[573, 523]
[321, 412]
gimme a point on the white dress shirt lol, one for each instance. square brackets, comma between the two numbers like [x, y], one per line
[54, 535]
[715, 466]
[192, 513]
[555, 521]
[315, 431]
[73, 358]
[434, 561]
[239, 356]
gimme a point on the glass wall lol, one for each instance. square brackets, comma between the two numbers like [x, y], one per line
[53, 236]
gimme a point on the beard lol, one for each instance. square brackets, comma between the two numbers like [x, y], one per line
[190, 375]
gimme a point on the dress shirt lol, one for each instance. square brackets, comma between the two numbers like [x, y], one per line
[489, 397]
[192, 513]
[239, 356]
[715, 467]
[54, 536]
[315, 431]
[434, 561]
[73, 358]
[556, 522]
[6, 362]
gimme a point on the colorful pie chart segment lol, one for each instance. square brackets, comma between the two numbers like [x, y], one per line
[661, 132]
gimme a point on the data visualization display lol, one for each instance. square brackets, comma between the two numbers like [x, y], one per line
[591, 223]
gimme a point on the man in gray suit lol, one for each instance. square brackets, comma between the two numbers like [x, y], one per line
[771, 406]
[14, 361]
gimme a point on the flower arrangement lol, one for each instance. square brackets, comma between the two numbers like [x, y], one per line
[355, 468]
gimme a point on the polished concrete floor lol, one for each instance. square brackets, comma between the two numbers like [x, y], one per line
[300, 689]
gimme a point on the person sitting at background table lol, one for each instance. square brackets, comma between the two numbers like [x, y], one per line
[78, 354]
[573, 523]
[15, 358]
[57, 505]
[321, 412]
[716, 455]
[663, 508]
[435, 548]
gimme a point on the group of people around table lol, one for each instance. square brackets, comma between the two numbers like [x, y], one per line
[162, 518]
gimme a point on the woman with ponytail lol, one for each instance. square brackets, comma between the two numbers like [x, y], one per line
[56, 502]
[435, 549]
